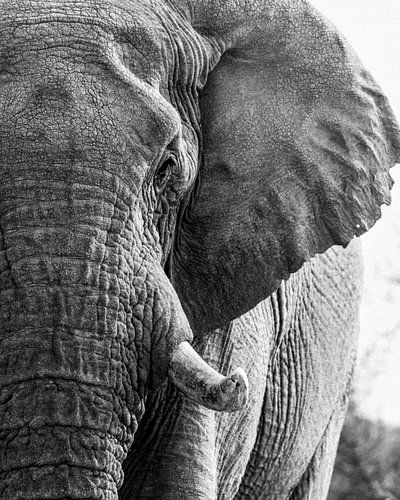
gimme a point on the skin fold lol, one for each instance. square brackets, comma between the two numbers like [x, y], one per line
[179, 177]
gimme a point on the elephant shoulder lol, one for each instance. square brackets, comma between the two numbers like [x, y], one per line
[337, 274]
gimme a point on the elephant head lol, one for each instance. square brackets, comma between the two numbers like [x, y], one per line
[163, 167]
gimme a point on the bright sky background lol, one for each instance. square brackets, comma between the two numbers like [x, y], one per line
[373, 29]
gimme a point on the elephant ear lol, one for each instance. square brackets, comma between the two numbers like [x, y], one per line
[297, 145]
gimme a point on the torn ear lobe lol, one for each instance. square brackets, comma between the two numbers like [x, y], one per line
[298, 143]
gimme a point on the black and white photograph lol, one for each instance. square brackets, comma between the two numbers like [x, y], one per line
[199, 250]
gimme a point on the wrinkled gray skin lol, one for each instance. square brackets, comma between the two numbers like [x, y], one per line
[164, 165]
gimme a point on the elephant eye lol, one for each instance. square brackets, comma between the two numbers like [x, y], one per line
[163, 173]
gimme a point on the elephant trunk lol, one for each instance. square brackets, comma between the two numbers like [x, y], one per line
[76, 310]
[79, 303]
[68, 408]
[87, 323]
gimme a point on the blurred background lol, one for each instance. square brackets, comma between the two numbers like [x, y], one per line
[368, 461]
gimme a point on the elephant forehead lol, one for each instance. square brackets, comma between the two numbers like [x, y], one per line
[66, 79]
[84, 23]
[155, 40]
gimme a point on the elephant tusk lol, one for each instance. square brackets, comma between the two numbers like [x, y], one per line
[201, 383]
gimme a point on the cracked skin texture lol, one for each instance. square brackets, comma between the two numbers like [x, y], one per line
[164, 166]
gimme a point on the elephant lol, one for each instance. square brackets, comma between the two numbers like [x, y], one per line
[183, 185]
